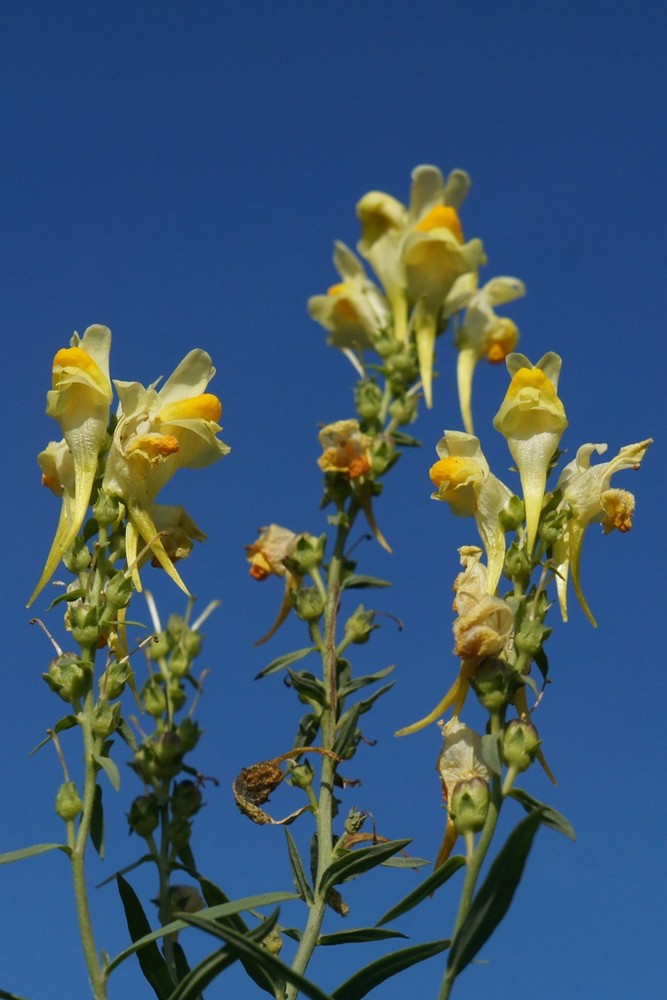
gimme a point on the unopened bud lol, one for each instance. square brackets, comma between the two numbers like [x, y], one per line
[144, 815]
[368, 400]
[168, 748]
[83, 622]
[179, 662]
[188, 733]
[69, 677]
[185, 799]
[68, 801]
[517, 564]
[512, 517]
[77, 558]
[112, 682]
[159, 647]
[491, 683]
[530, 637]
[107, 509]
[106, 719]
[520, 744]
[359, 626]
[178, 832]
[301, 775]
[154, 697]
[552, 525]
[307, 555]
[118, 591]
[308, 603]
[469, 805]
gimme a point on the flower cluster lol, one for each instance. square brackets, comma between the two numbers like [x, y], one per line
[428, 274]
[121, 469]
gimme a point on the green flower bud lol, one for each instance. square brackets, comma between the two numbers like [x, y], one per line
[186, 799]
[144, 815]
[308, 553]
[77, 557]
[107, 509]
[517, 565]
[368, 400]
[404, 410]
[512, 517]
[301, 775]
[168, 748]
[188, 733]
[469, 805]
[178, 832]
[144, 764]
[530, 637]
[402, 366]
[191, 642]
[106, 719]
[154, 697]
[492, 683]
[69, 677]
[179, 662]
[176, 627]
[385, 343]
[308, 603]
[383, 456]
[552, 524]
[520, 744]
[118, 591]
[177, 694]
[359, 626]
[112, 682]
[83, 622]
[68, 801]
[159, 647]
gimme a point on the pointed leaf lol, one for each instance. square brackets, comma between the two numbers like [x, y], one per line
[359, 935]
[128, 868]
[361, 983]
[301, 882]
[359, 682]
[308, 687]
[110, 769]
[346, 728]
[97, 822]
[425, 888]
[550, 817]
[151, 961]
[495, 895]
[31, 852]
[355, 863]
[284, 661]
[10, 996]
[359, 581]
[68, 722]
[243, 945]
[190, 988]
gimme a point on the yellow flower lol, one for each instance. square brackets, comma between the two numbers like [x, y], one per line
[346, 449]
[79, 401]
[484, 627]
[463, 479]
[266, 556]
[461, 759]
[586, 490]
[354, 311]
[484, 334]
[159, 432]
[532, 419]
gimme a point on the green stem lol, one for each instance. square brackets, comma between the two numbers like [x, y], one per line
[78, 844]
[164, 869]
[324, 814]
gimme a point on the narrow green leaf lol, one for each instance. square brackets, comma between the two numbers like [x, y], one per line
[31, 852]
[212, 913]
[495, 895]
[359, 682]
[550, 817]
[202, 975]
[10, 996]
[68, 722]
[491, 753]
[110, 769]
[406, 440]
[409, 862]
[346, 728]
[97, 822]
[244, 946]
[126, 735]
[361, 983]
[181, 963]
[151, 961]
[359, 935]
[300, 878]
[128, 868]
[358, 581]
[308, 687]
[425, 888]
[284, 661]
[355, 863]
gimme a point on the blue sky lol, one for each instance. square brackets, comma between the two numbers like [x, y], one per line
[179, 172]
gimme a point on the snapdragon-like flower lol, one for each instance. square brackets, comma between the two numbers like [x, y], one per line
[267, 556]
[346, 449]
[532, 419]
[463, 479]
[354, 311]
[159, 432]
[79, 401]
[484, 627]
[386, 223]
[485, 334]
[586, 490]
[460, 760]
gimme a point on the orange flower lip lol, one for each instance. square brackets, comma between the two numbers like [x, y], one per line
[206, 406]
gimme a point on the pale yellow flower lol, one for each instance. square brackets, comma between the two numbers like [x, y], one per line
[266, 556]
[354, 311]
[464, 480]
[461, 759]
[586, 491]
[159, 432]
[532, 419]
[484, 334]
[79, 401]
[346, 449]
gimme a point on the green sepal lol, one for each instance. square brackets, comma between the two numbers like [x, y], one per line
[150, 960]
[301, 882]
[68, 597]
[542, 662]
[405, 440]
[32, 852]
[242, 946]
[426, 889]
[67, 722]
[354, 863]
[495, 895]
[361, 983]
[310, 690]
[126, 735]
[359, 581]
[284, 661]
[359, 935]
[550, 817]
